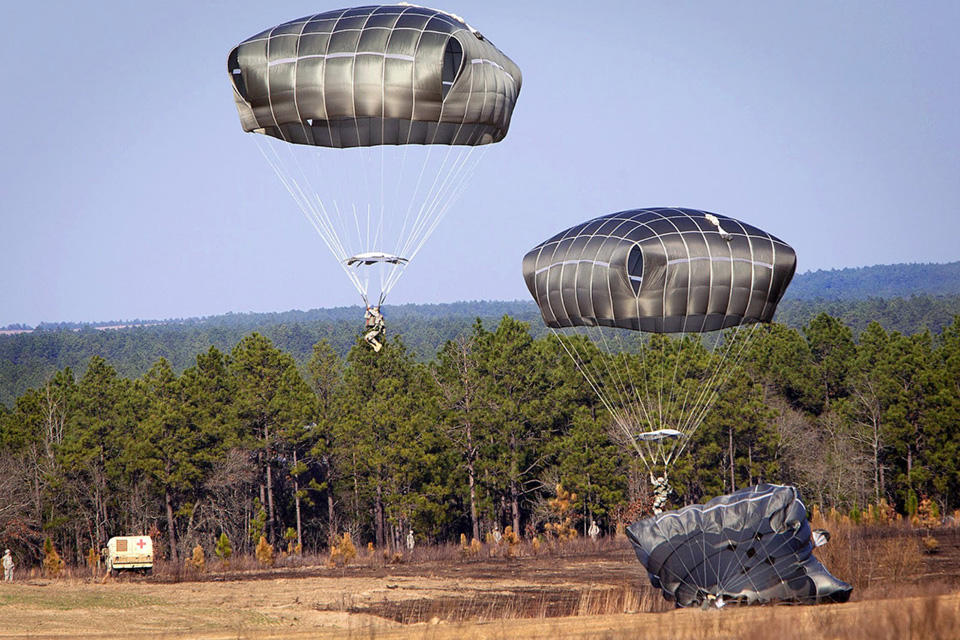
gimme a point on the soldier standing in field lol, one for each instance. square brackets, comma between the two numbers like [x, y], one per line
[8, 566]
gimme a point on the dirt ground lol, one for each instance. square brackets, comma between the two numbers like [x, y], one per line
[594, 593]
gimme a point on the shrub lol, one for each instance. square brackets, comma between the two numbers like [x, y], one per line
[864, 555]
[342, 550]
[511, 540]
[927, 515]
[912, 503]
[223, 549]
[258, 524]
[290, 535]
[53, 564]
[882, 513]
[199, 560]
[93, 560]
[265, 553]
[563, 517]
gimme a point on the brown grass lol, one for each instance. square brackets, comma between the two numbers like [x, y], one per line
[869, 556]
[587, 590]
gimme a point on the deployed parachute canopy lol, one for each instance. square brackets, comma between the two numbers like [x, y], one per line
[347, 93]
[381, 74]
[670, 271]
[665, 270]
[754, 546]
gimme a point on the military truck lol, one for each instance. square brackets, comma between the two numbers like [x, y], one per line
[129, 553]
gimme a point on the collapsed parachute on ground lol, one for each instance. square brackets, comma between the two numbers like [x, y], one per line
[670, 272]
[358, 88]
[753, 546]
[664, 270]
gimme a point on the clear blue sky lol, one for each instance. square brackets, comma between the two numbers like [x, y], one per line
[128, 189]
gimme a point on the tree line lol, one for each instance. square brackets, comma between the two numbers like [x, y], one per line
[247, 443]
[28, 359]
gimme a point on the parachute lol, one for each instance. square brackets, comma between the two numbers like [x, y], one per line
[370, 116]
[753, 546]
[672, 272]
[659, 270]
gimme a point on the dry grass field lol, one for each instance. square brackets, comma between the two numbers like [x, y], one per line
[585, 591]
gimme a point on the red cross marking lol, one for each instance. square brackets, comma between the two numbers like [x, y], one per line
[141, 544]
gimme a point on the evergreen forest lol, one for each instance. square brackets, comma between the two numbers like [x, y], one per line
[249, 440]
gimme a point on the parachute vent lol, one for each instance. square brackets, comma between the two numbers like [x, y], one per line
[452, 64]
[236, 74]
[635, 268]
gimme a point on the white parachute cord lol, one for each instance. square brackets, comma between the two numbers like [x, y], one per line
[635, 404]
[618, 363]
[329, 195]
[316, 215]
[425, 209]
[721, 374]
[703, 401]
[644, 395]
[445, 201]
[677, 347]
[662, 378]
[295, 187]
[688, 422]
[595, 383]
[457, 183]
[690, 352]
[743, 349]
[450, 190]
[417, 206]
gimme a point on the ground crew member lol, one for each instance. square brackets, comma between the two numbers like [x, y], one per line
[594, 530]
[8, 566]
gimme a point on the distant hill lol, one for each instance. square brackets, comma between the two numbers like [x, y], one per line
[880, 281]
[908, 298]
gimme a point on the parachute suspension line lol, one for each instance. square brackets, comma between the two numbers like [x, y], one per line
[453, 186]
[447, 187]
[633, 401]
[312, 207]
[454, 182]
[645, 397]
[723, 371]
[676, 350]
[364, 224]
[593, 380]
[662, 414]
[429, 215]
[636, 407]
[315, 215]
[703, 402]
[704, 388]
[616, 398]
[383, 205]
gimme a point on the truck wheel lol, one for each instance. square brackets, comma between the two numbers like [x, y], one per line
[148, 571]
